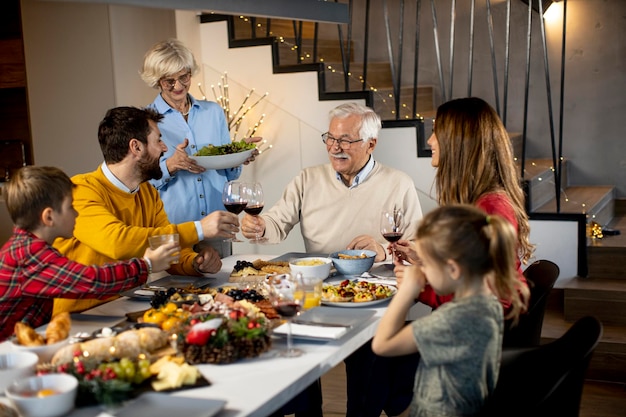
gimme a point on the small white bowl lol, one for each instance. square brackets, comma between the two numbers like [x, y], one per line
[311, 267]
[16, 365]
[45, 352]
[24, 395]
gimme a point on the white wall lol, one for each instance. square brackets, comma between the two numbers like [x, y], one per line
[70, 81]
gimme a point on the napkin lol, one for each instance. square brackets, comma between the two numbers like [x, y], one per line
[312, 331]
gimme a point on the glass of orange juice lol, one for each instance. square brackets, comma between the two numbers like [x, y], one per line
[313, 291]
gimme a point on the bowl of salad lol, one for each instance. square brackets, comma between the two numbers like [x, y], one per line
[224, 156]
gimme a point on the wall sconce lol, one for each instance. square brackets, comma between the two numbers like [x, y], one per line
[545, 4]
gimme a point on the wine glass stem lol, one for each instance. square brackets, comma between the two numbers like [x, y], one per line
[289, 343]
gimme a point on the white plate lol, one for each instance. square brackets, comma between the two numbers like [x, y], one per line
[304, 331]
[155, 404]
[223, 161]
[352, 304]
[321, 315]
[145, 292]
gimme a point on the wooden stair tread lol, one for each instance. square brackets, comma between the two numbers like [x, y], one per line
[598, 284]
[578, 199]
[554, 326]
[535, 167]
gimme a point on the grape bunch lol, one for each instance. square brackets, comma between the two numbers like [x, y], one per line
[242, 265]
[126, 370]
[245, 294]
[161, 297]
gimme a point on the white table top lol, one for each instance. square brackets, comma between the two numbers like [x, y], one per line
[251, 387]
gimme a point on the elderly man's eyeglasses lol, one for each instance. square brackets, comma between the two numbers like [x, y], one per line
[171, 82]
[342, 143]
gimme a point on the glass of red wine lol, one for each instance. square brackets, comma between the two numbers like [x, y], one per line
[287, 295]
[234, 200]
[254, 197]
[392, 226]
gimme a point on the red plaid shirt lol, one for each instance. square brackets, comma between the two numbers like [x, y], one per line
[33, 273]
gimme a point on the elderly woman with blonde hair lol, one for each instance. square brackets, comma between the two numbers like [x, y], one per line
[189, 192]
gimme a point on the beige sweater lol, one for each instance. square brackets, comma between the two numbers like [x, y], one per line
[331, 215]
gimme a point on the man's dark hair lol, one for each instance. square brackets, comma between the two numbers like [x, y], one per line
[119, 126]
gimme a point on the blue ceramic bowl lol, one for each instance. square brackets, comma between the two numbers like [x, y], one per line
[355, 266]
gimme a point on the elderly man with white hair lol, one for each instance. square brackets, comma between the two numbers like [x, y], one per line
[338, 206]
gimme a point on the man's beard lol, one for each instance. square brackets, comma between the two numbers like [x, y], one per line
[149, 168]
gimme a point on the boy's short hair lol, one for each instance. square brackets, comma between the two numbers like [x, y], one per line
[33, 189]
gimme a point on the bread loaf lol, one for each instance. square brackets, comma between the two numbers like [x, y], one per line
[127, 344]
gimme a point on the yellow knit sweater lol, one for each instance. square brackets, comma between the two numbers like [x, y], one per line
[114, 225]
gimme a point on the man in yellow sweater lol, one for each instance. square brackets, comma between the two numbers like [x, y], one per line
[118, 209]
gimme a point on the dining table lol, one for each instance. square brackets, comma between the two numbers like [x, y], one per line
[257, 386]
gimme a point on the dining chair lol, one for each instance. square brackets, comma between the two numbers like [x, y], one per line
[540, 276]
[545, 380]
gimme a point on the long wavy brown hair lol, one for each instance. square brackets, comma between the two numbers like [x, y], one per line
[475, 158]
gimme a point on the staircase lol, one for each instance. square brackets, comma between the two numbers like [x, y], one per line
[601, 293]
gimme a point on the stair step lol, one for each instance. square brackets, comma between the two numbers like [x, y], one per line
[540, 175]
[378, 75]
[606, 257]
[594, 201]
[609, 359]
[385, 104]
[600, 297]
[327, 51]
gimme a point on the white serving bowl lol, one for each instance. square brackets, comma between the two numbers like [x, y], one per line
[45, 352]
[230, 160]
[16, 365]
[311, 267]
[23, 394]
[353, 266]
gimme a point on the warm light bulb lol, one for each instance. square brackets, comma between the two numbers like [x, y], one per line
[554, 13]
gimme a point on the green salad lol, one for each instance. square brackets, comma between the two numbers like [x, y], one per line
[234, 147]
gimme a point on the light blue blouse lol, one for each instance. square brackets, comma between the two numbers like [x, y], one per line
[188, 196]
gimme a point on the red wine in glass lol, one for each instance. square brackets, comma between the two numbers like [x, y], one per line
[286, 293]
[253, 193]
[234, 200]
[236, 207]
[392, 226]
[287, 309]
[392, 237]
[253, 210]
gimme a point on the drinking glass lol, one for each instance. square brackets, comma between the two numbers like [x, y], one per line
[234, 200]
[392, 226]
[254, 196]
[287, 294]
[159, 240]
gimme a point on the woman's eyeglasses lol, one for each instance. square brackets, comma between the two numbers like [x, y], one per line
[342, 143]
[171, 82]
